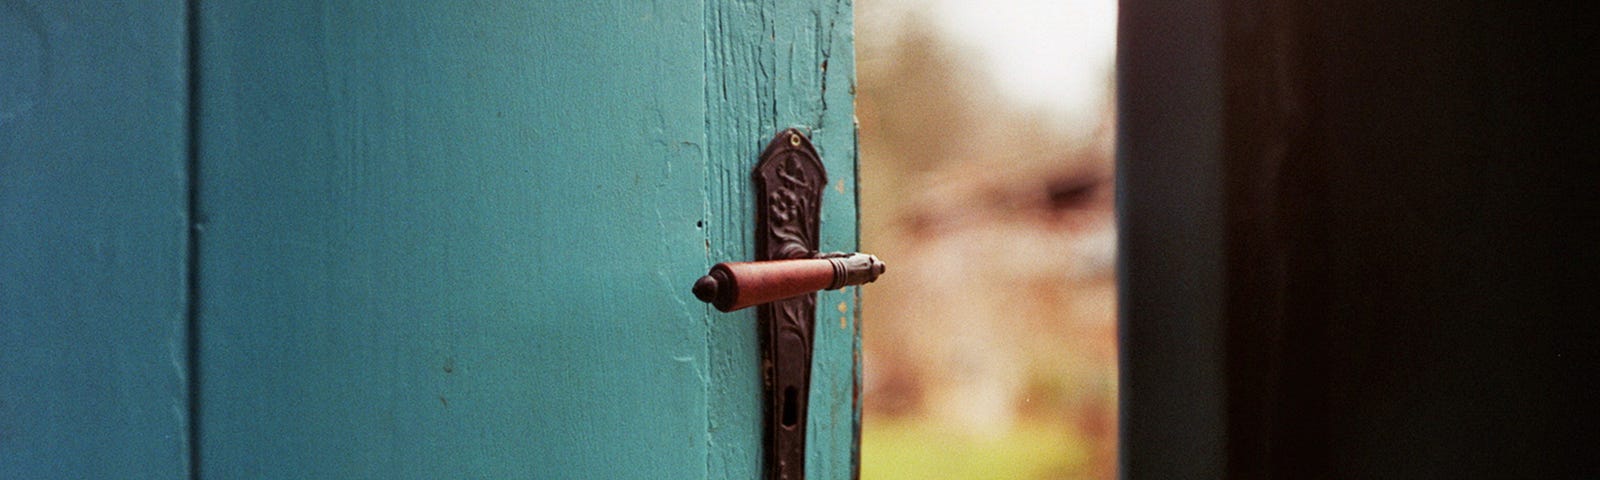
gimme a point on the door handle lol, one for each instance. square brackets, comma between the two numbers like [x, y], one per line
[731, 286]
[781, 283]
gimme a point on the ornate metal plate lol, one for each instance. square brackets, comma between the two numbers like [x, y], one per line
[788, 183]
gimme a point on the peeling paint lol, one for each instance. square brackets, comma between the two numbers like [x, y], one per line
[764, 72]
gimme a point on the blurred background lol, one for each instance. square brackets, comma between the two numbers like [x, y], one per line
[986, 172]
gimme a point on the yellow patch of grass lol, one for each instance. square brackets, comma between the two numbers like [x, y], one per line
[893, 449]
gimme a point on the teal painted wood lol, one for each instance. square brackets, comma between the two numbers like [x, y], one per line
[442, 242]
[774, 65]
[93, 219]
[452, 242]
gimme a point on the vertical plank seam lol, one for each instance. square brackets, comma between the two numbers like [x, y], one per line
[707, 29]
[192, 246]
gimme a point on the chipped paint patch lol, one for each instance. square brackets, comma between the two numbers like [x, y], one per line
[762, 75]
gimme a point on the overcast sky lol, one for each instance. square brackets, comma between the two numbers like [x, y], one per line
[1057, 54]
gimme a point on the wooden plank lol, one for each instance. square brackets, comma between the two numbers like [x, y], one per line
[444, 241]
[93, 235]
[773, 65]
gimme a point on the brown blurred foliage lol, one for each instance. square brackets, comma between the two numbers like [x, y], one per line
[997, 226]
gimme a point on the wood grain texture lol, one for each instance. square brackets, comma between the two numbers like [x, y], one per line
[93, 217]
[447, 241]
[774, 65]
[450, 241]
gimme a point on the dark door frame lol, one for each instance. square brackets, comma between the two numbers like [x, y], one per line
[1354, 240]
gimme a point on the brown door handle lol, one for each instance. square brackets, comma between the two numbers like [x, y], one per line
[734, 285]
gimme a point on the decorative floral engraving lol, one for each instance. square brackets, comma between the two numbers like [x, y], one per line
[789, 182]
[792, 185]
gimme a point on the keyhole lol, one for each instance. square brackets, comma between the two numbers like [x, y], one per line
[791, 407]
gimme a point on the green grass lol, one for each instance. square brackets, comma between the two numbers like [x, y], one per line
[895, 449]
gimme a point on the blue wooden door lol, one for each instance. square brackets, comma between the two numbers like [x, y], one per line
[412, 239]
[93, 242]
